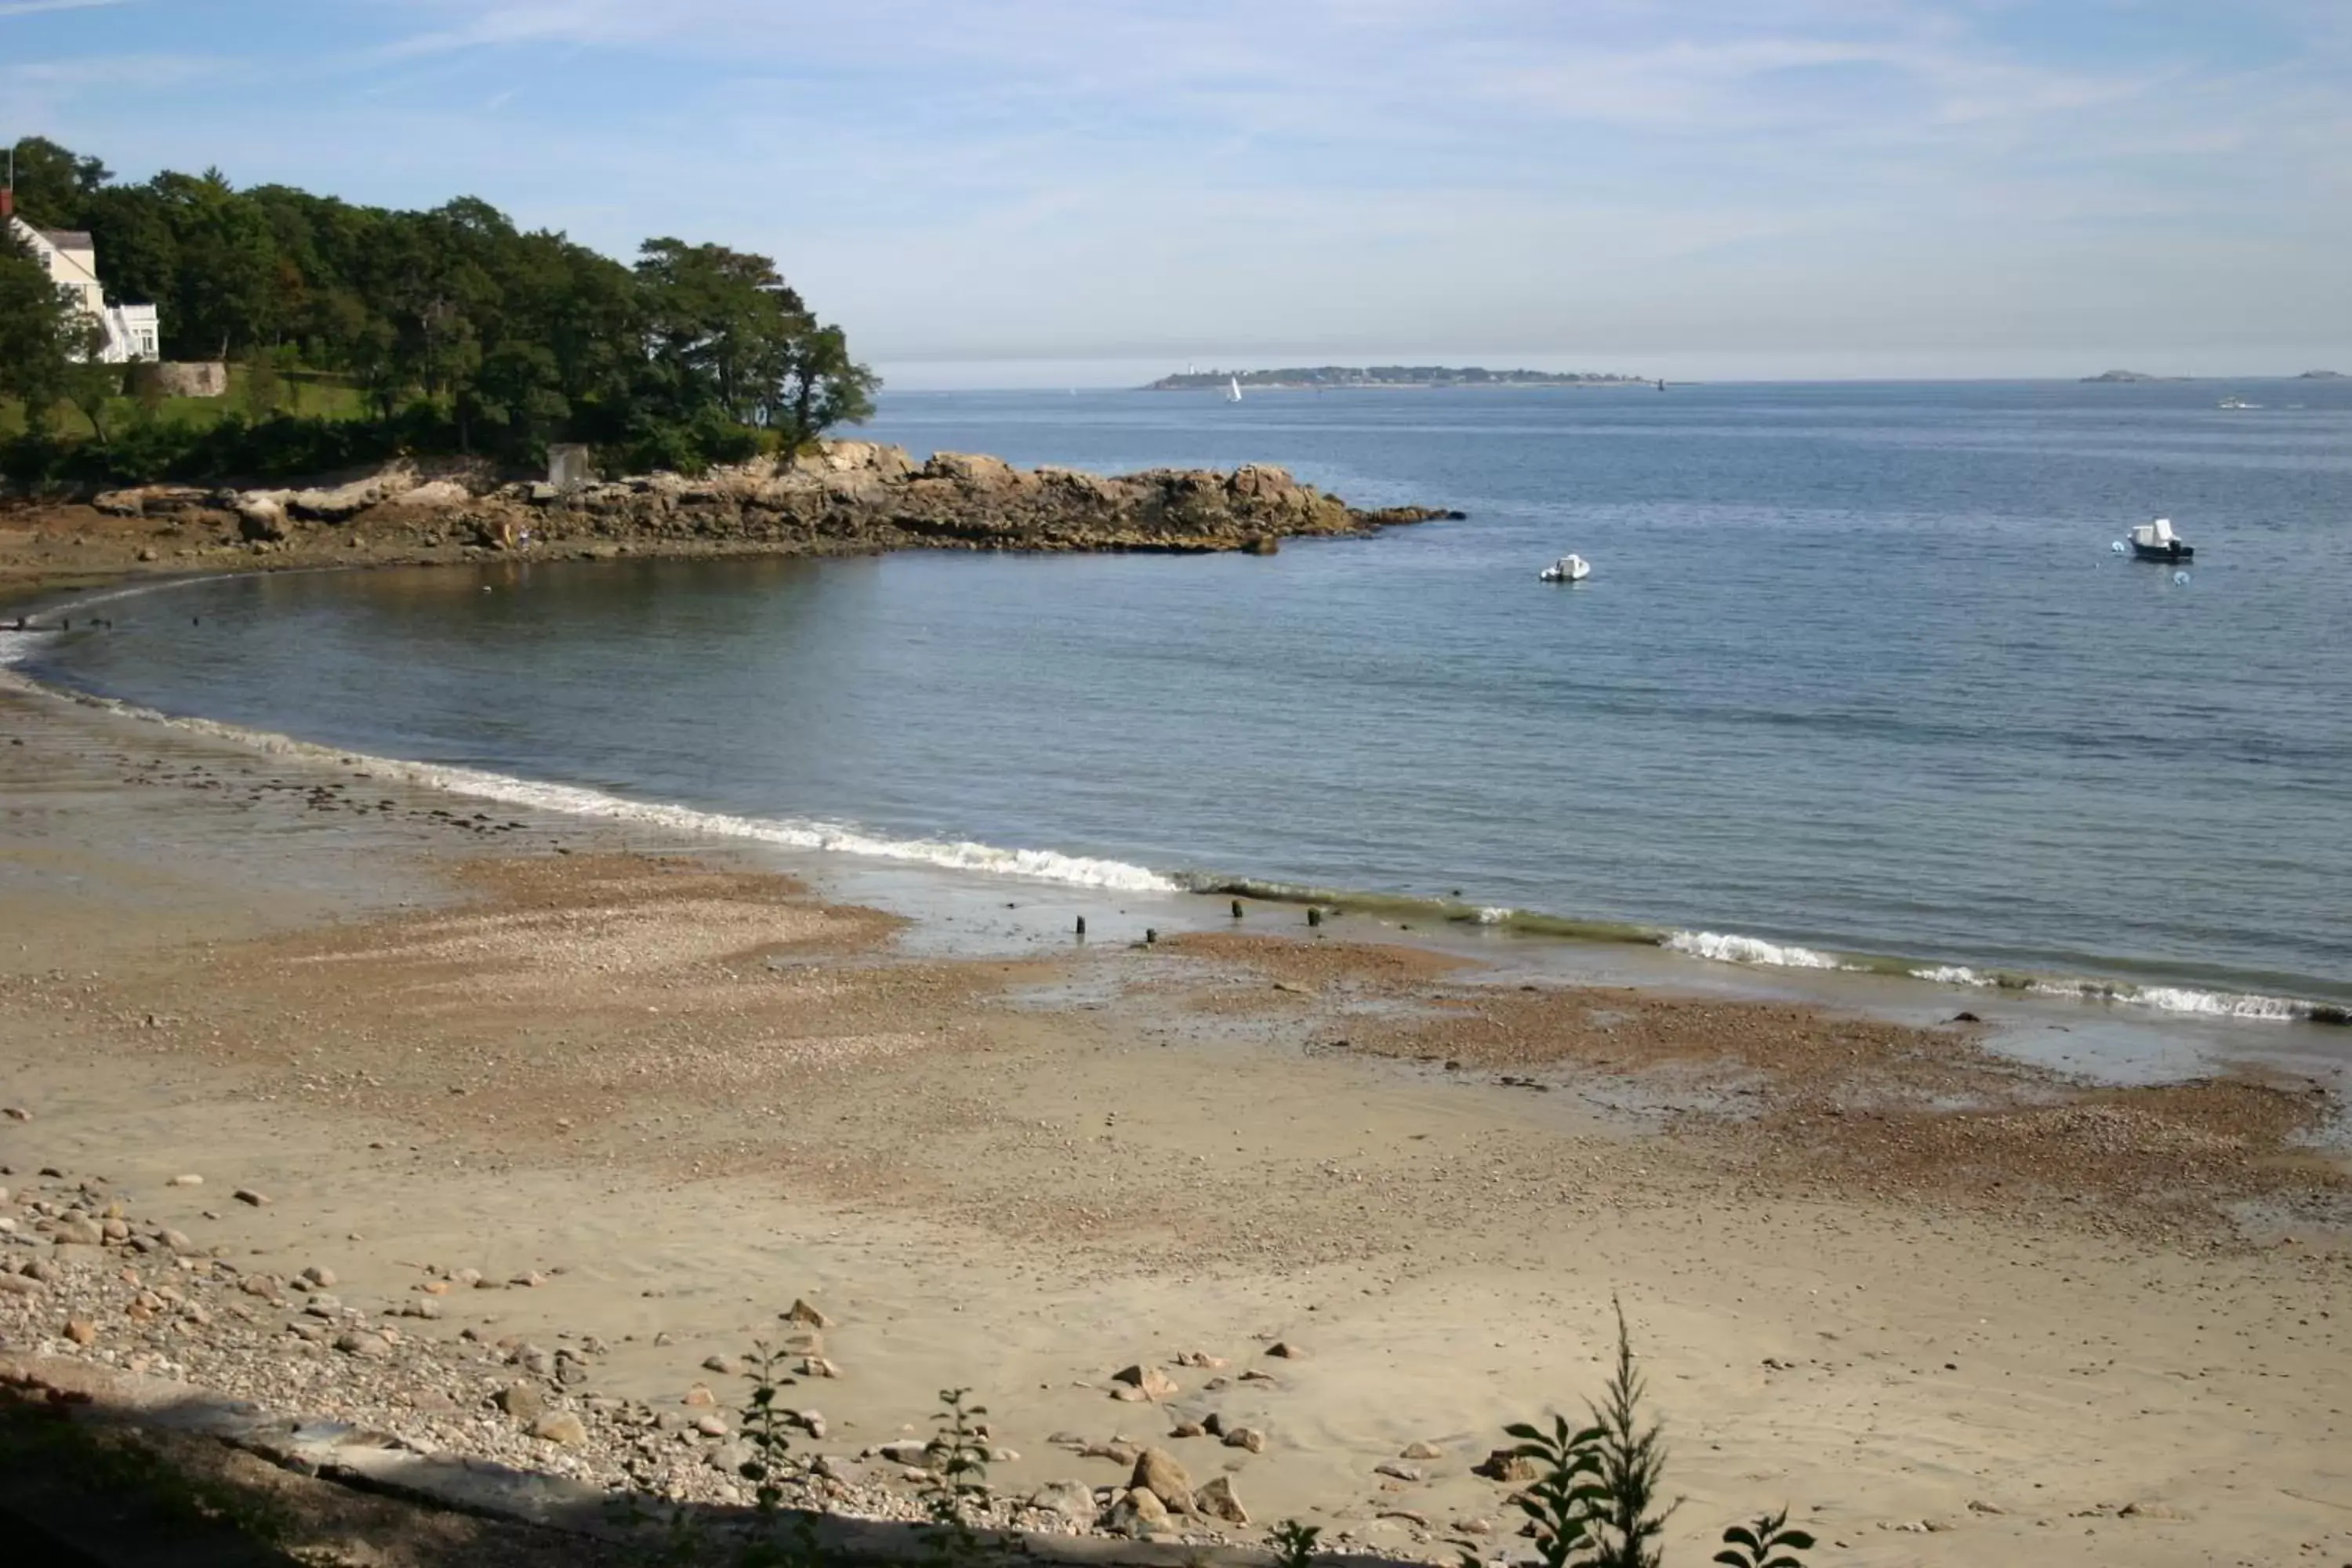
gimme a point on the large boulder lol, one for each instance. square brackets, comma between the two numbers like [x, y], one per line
[1158, 1472]
[340, 503]
[434, 495]
[261, 516]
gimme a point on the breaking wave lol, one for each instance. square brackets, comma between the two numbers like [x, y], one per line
[1726, 948]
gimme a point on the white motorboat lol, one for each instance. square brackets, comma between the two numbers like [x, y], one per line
[2156, 542]
[1567, 569]
[2236, 402]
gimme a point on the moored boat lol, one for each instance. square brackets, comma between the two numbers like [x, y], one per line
[2156, 542]
[1567, 569]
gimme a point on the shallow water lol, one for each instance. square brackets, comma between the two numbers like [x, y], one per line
[1856, 672]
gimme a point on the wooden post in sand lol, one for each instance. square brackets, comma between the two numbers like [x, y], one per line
[1313, 916]
[1237, 909]
[1082, 928]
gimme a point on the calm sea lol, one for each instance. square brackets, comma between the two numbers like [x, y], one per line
[1857, 677]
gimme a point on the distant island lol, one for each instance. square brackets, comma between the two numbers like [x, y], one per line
[2321, 375]
[2131, 375]
[1332, 377]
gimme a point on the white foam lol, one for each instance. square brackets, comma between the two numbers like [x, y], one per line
[959, 855]
[1952, 974]
[1732, 949]
[2237, 1006]
[1495, 915]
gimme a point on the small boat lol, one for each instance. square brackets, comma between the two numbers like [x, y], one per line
[2156, 542]
[1567, 569]
[2236, 402]
[1232, 389]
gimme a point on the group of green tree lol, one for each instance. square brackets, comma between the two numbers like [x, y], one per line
[454, 328]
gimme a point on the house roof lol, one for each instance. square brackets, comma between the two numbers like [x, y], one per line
[68, 239]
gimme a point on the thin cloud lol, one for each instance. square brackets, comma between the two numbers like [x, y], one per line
[29, 7]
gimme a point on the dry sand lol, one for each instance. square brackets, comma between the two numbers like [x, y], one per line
[1948, 1308]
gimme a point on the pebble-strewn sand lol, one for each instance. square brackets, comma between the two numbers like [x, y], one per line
[1951, 1309]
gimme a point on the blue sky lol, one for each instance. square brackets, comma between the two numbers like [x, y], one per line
[989, 190]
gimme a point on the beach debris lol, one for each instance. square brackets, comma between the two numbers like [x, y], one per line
[1200, 1359]
[1285, 1351]
[16, 1113]
[801, 1312]
[250, 1197]
[1117, 1450]
[190, 1180]
[1402, 1472]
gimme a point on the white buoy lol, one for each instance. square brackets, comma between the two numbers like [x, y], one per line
[2181, 578]
[2120, 548]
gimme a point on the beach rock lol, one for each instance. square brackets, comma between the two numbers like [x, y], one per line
[1188, 1429]
[816, 1366]
[561, 1428]
[431, 496]
[1201, 1359]
[1144, 1383]
[1283, 1350]
[801, 1312]
[16, 1113]
[186, 1181]
[260, 519]
[699, 1397]
[522, 1401]
[81, 1331]
[18, 1285]
[1248, 1437]
[728, 1459]
[1137, 1514]
[724, 1365]
[1216, 1500]
[322, 1278]
[1423, 1451]
[78, 1232]
[362, 1346]
[1157, 1472]
[710, 1426]
[248, 1196]
[1073, 1500]
[1507, 1465]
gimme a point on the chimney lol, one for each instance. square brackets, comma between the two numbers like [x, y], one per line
[8, 203]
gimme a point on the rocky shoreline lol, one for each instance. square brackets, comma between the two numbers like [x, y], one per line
[845, 498]
[98, 1305]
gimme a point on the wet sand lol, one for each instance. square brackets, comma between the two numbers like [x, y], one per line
[1950, 1307]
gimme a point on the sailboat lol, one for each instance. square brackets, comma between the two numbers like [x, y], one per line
[1232, 389]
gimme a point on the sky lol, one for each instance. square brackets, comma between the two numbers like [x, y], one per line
[1036, 192]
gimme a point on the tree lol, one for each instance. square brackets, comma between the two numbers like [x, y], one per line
[36, 323]
[54, 186]
[720, 321]
[820, 387]
[90, 384]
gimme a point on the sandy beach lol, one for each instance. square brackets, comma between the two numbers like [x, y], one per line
[1946, 1306]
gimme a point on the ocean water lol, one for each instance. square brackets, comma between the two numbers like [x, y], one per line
[1856, 679]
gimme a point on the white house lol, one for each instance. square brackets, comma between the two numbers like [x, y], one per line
[133, 332]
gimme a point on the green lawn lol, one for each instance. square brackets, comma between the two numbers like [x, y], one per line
[317, 394]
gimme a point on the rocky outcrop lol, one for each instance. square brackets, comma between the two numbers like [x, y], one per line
[847, 496]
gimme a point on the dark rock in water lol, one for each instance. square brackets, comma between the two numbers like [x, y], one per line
[1964, 1019]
